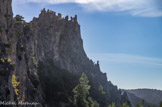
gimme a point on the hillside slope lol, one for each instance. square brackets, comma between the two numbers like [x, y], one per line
[149, 95]
[134, 100]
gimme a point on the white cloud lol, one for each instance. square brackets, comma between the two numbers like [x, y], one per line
[144, 8]
[125, 58]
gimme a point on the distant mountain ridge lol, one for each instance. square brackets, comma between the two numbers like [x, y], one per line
[150, 96]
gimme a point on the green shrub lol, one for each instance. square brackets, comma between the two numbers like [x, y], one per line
[8, 60]
[2, 60]
[19, 19]
[112, 105]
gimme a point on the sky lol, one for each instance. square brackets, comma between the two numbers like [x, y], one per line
[124, 35]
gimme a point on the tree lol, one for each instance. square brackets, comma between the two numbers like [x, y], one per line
[125, 105]
[139, 105]
[160, 104]
[101, 89]
[19, 19]
[149, 105]
[142, 101]
[112, 105]
[81, 92]
[93, 103]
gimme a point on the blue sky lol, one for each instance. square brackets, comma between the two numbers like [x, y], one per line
[124, 35]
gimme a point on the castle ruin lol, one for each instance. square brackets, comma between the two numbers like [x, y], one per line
[58, 16]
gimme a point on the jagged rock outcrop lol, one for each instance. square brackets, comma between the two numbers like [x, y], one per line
[48, 37]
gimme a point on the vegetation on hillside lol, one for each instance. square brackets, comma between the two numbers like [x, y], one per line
[19, 19]
[62, 87]
[81, 93]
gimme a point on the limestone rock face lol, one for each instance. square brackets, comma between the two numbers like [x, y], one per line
[23, 45]
[58, 39]
[13, 62]
[5, 28]
[5, 14]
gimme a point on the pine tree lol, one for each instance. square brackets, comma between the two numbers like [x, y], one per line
[19, 18]
[139, 105]
[112, 105]
[125, 105]
[81, 93]
[101, 89]
[93, 103]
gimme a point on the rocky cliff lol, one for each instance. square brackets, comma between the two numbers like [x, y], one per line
[5, 29]
[16, 82]
[34, 57]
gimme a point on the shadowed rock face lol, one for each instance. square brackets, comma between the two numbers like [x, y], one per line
[13, 61]
[5, 26]
[47, 37]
